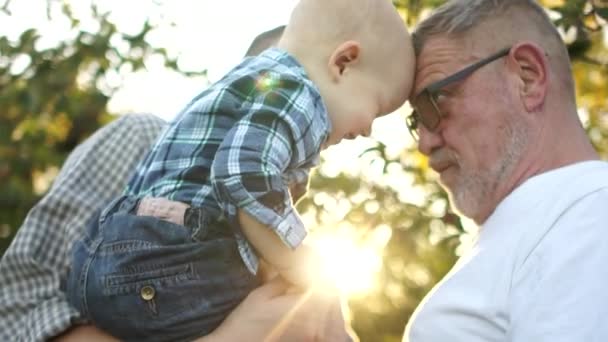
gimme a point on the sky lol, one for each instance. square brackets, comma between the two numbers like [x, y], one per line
[209, 34]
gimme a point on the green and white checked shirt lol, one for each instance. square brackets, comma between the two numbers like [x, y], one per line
[33, 307]
[241, 144]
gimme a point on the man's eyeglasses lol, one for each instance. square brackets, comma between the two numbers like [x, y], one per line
[426, 111]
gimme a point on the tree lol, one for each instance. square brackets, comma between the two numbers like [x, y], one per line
[52, 98]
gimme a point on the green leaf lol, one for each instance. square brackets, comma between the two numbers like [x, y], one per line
[602, 12]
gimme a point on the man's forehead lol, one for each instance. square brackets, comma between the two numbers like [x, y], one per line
[442, 56]
[437, 48]
[437, 57]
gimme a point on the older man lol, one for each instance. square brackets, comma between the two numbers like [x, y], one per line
[496, 114]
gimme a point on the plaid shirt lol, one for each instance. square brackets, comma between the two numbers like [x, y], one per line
[241, 144]
[33, 307]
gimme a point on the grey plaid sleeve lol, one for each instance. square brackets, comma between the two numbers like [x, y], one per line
[32, 305]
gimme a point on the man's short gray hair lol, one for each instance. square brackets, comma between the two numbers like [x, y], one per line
[457, 17]
[508, 21]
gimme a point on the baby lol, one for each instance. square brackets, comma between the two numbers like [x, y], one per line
[173, 256]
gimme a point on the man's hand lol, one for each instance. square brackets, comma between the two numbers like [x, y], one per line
[274, 313]
[85, 333]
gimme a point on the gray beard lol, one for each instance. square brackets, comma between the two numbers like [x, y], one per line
[475, 188]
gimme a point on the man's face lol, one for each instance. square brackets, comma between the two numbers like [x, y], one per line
[479, 140]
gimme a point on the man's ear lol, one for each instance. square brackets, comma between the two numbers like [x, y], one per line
[344, 57]
[531, 65]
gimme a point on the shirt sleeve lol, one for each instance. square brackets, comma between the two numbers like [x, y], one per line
[33, 305]
[296, 181]
[250, 165]
[559, 295]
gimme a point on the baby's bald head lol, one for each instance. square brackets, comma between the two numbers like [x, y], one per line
[352, 50]
[321, 25]
[329, 21]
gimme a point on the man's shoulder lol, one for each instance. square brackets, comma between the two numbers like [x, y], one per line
[573, 206]
[579, 180]
[569, 187]
[546, 209]
[141, 121]
[127, 129]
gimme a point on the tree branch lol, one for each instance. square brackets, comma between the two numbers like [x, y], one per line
[5, 9]
[593, 61]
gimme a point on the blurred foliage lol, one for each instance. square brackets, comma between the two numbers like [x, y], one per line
[52, 98]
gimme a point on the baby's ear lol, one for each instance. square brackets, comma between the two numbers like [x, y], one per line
[344, 57]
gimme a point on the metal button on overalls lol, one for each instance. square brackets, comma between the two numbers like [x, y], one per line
[147, 292]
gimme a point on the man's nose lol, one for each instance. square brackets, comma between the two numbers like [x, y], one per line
[428, 141]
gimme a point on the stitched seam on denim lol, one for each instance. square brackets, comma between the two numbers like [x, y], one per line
[85, 274]
[159, 272]
[125, 284]
[125, 246]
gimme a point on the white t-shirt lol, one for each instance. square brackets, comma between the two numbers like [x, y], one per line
[538, 271]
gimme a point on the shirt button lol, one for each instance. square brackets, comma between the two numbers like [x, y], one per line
[147, 292]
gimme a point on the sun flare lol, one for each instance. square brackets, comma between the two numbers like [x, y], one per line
[350, 265]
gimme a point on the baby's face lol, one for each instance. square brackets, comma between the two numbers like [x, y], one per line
[355, 104]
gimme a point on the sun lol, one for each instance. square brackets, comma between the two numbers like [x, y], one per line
[350, 265]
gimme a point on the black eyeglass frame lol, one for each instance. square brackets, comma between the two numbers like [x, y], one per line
[414, 119]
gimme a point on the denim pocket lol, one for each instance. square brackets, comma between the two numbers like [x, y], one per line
[152, 294]
[141, 268]
[117, 284]
[151, 278]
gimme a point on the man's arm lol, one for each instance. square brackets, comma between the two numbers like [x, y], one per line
[33, 306]
[287, 315]
[87, 333]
